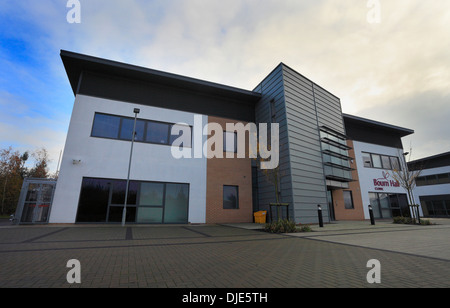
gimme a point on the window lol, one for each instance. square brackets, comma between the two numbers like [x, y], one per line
[183, 131]
[421, 181]
[106, 126]
[126, 129]
[395, 163]
[386, 162]
[367, 160]
[102, 200]
[157, 132]
[431, 180]
[389, 205]
[443, 178]
[436, 179]
[230, 142]
[376, 161]
[230, 197]
[117, 127]
[273, 112]
[348, 200]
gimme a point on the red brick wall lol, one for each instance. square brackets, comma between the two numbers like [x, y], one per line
[357, 213]
[228, 171]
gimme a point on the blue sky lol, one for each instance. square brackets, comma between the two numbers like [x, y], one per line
[397, 71]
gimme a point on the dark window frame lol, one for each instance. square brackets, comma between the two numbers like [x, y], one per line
[146, 122]
[369, 163]
[224, 141]
[237, 197]
[133, 207]
[352, 205]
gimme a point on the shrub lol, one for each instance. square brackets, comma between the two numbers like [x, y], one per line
[304, 228]
[425, 222]
[281, 226]
[402, 220]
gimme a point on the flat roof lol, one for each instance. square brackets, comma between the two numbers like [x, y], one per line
[376, 124]
[76, 63]
[442, 156]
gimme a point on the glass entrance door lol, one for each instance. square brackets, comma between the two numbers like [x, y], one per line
[38, 199]
[330, 204]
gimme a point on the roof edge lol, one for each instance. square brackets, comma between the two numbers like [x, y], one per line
[87, 59]
[403, 131]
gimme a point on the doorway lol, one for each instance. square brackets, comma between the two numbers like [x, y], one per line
[35, 201]
[330, 205]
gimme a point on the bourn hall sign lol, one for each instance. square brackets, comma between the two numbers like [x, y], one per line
[385, 182]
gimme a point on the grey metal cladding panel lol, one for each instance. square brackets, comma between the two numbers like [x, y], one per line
[295, 99]
[299, 169]
[334, 122]
[272, 88]
[327, 105]
[308, 179]
[304, 152]
[307, 187]
[293, 78]
[329, 111]
[298, 123]
[297, 138]
[305, 194]
[325, 108]
[299, 94]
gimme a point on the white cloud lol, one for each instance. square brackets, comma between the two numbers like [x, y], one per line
[371, 67]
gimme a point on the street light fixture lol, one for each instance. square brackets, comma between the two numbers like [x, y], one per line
[124, 213]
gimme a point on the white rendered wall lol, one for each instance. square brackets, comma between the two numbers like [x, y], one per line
[367, 175]
[106, 158]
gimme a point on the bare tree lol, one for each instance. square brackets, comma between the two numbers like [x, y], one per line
[407, 179]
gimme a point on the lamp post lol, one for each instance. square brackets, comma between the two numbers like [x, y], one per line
[124, 213]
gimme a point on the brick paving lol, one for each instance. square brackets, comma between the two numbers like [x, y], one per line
[214, 256]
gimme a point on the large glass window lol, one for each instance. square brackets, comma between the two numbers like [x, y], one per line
[102, 200]
[93, 203]
[395, 163]
[150, 215]
[436, 205]
[374, 203]
[118, 127]
[184, 131]
[118, 192]
[389, 205]
[158, 132]
[443, 178]
[371, 160]
[176, 201]
[151, 194]
[376, 161]
[230, 197]
[126, 129]
[106, 126]
[386, 162]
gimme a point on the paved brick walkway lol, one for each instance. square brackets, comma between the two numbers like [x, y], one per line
[212, 256]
